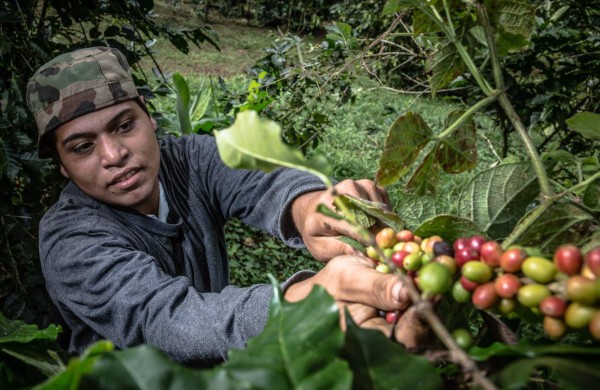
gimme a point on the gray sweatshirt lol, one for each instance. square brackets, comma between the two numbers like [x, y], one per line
[117, 274]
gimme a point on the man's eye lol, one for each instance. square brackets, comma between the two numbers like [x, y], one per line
[83, 148]
[125, 127]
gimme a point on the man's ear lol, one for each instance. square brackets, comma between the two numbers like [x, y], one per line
[63, 172]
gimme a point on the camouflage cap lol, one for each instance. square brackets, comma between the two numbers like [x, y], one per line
[77, 83]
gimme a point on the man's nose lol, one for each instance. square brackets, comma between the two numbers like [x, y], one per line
[113, 151]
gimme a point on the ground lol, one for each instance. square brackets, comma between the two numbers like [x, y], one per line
[240, 43]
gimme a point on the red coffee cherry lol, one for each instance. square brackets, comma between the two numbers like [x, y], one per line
[507, 285]
[568, 259]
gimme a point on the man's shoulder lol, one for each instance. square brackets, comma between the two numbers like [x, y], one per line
[188, 142]
[74, 208]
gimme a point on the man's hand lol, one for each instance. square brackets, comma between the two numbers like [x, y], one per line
[357, 286]
[319, 232]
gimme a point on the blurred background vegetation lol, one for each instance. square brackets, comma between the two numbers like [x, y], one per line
[316, 67]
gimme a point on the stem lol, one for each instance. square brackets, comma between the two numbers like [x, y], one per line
[476, 107]
[507, 106]
[432, 13]
[523, 227]
[585, 183]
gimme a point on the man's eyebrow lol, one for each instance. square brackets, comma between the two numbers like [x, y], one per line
[109, 124]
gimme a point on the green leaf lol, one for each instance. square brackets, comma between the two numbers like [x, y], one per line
[422, 24]
[426, 177]
[590, 242]
[376, 210]
[16, 331]
[560, 156]
[524, 349]
[508, 42]
[515, 17]
[393, 6]
[255, 143]
[321, 208]
[200, 105]
[585, 123]
[449, 227]
[443, 66]
[478, 32]
[457, 152]
[553, 225]
[378, 363]
[591, 196]
[77, 368]
[35, 357]
[497, 198]
[353, 243]
[569, 374]
[146, 367]
[298, 348]
[183, 103]
[407, 136]
[415, 209]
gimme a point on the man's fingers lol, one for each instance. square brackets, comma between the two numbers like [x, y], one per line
[412, 330]
[353, 279]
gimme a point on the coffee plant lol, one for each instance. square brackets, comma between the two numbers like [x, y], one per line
[519, 251]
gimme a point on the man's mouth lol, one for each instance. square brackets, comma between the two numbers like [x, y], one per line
[125, 176]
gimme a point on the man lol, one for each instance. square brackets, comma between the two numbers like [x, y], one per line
[134, 249]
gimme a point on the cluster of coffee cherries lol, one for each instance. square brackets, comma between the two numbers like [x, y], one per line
[562, 290]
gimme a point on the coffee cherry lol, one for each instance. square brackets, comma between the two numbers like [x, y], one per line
[467, 284]
[442, 248]
[426, 259]
[405, 236]
[388, 252]
[383, 268]
[532, 295]
[428, 243]
[578, 316]
[539, 269]
[568, 259]
[490, 253]
[476, 271]
[459, 293]
[391, 317]
[434, 278]
[554, 327]
[507, 285]
[372, 253]
[592, 260]
[581, 289]
[386, 238]
[553, 306]
[476, 242]
[512, 259]
[484, 296]
[464, 255]
[398, 258]
[461, 243]
[448, 262]
[594, 326]
[412, 262]
[507, 306]
[411, 247]
[463, 338]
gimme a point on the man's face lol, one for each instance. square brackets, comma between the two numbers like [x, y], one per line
[112, 155]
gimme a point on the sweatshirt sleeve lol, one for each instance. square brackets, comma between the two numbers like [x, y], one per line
[259, 199]
[120, 294]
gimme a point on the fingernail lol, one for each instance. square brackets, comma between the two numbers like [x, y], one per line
[396, 290]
